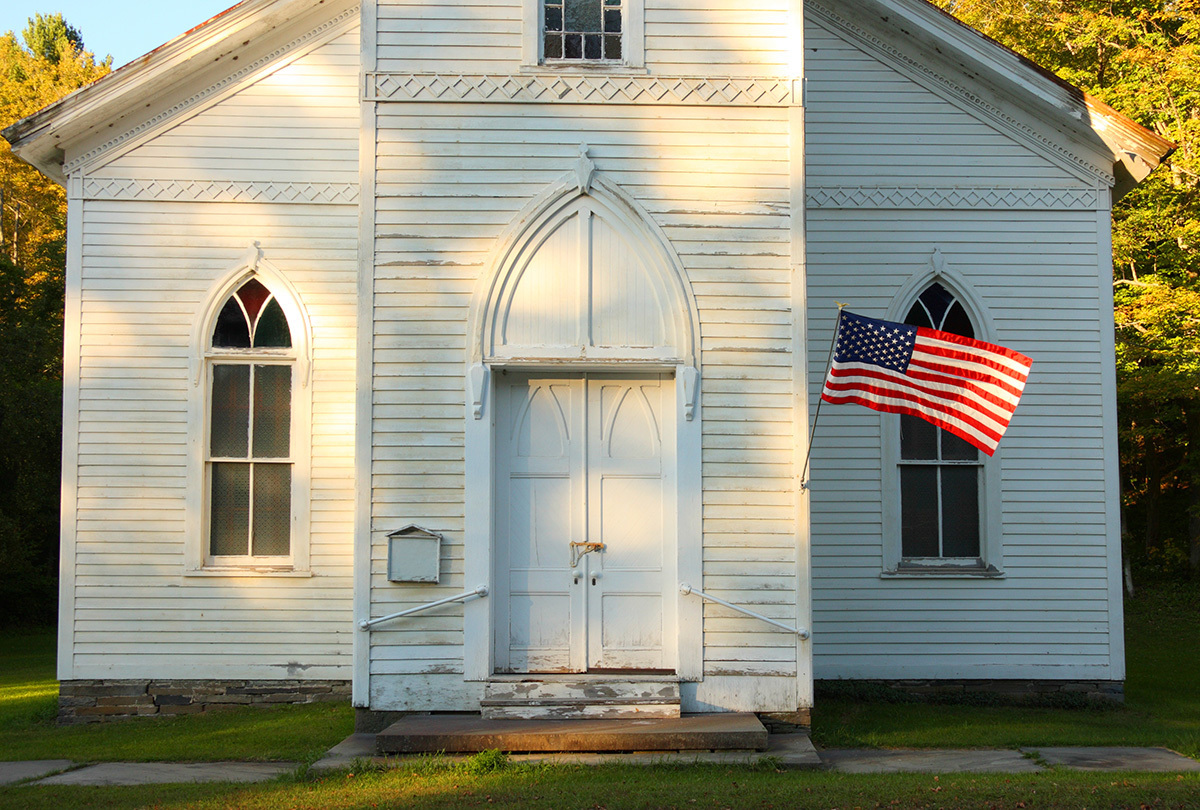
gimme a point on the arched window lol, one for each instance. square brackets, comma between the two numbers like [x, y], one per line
[940, 474]
[249, 444]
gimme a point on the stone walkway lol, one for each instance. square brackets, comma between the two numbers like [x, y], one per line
[786, 750]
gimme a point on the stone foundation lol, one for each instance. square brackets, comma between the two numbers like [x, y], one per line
[976, 692]
[104, 700]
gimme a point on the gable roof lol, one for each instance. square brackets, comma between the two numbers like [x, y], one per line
[40, 138]
[1135, 150]
[220, 41]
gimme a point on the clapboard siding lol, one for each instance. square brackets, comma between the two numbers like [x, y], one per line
[710, 38]
[1051, 463]
[450, 178]
[133, 430]
[298, 124]
[869, 125]
[147, 266]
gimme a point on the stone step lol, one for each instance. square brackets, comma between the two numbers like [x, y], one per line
[457, 733]
[579, 698]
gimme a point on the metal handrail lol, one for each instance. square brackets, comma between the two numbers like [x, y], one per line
[480, 591]
[686, 589]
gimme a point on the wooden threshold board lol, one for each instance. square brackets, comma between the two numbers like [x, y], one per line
[459, 733]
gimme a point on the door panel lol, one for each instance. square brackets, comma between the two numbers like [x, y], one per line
[539, 511]
[580, 459]
[626, 513]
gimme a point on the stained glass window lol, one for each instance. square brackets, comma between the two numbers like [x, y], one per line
[250, 422]
[584, 30]
[940, 474]
[252, 319]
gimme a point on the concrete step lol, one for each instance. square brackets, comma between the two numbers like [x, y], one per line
[578, 698]
[458, 733]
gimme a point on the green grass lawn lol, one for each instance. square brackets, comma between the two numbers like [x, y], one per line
[614, 786]
[1162, 705]
[29, 703]
[1163, 708]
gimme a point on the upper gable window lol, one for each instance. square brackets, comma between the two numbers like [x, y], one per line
[605, 34]
[582, 29]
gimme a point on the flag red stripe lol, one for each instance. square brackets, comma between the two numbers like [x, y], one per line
[987, 424]
[1017, 360]
[945, 386]
[985, 446]
[965, 386]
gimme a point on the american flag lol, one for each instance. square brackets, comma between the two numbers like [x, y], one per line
[966, 386]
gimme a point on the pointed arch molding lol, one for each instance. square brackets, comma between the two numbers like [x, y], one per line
[254, 265]
[941, 271]
[582, 276]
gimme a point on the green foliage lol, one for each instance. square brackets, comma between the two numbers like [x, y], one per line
[485, 762]
[1143, 58]
[32, 260]
[51, 39]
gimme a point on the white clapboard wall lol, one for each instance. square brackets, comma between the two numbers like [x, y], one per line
[1041, 271]
[163, 221]
[450, 178]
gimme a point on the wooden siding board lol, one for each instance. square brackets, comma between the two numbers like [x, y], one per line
[1051, 470]
[131, 513]
[451, 178]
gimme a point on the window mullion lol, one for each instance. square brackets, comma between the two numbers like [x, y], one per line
[250, 456]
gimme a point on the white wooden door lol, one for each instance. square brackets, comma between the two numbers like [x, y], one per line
[584, 523]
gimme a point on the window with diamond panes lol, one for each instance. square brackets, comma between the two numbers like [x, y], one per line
[250, 419]
[940, 474]
[583, 30]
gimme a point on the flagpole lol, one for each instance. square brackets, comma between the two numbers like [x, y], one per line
[817, 414]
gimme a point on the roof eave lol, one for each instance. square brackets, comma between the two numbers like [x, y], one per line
[1135, 150]
[40, 138]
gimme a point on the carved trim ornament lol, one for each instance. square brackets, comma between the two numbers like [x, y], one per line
[220, 191]
[577, 89]
[911, 197]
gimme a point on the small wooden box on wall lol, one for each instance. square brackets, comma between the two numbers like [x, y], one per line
[414, 555]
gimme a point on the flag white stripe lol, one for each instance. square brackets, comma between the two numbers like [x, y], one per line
[955, 384]
[986, 411]
[993, 419]
[953, 363]
[1018, 368]
[950, 418]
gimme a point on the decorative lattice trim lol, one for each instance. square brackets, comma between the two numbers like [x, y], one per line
[212, 90]
[1059, 199]
[576, 89]
[220, 191]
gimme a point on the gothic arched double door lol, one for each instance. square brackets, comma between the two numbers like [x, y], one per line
[585, 524]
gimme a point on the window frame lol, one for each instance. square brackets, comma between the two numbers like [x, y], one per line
[633, 43]
[198, 560]
[990, 563]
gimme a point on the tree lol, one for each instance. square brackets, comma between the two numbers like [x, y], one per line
[50, 39]
[32, 257]
[1143, 58]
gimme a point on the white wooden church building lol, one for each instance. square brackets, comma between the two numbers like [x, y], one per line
[526, 304]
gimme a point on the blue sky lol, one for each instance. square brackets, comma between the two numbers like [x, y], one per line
[124, 28]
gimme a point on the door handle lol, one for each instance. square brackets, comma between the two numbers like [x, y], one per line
[579, 550]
